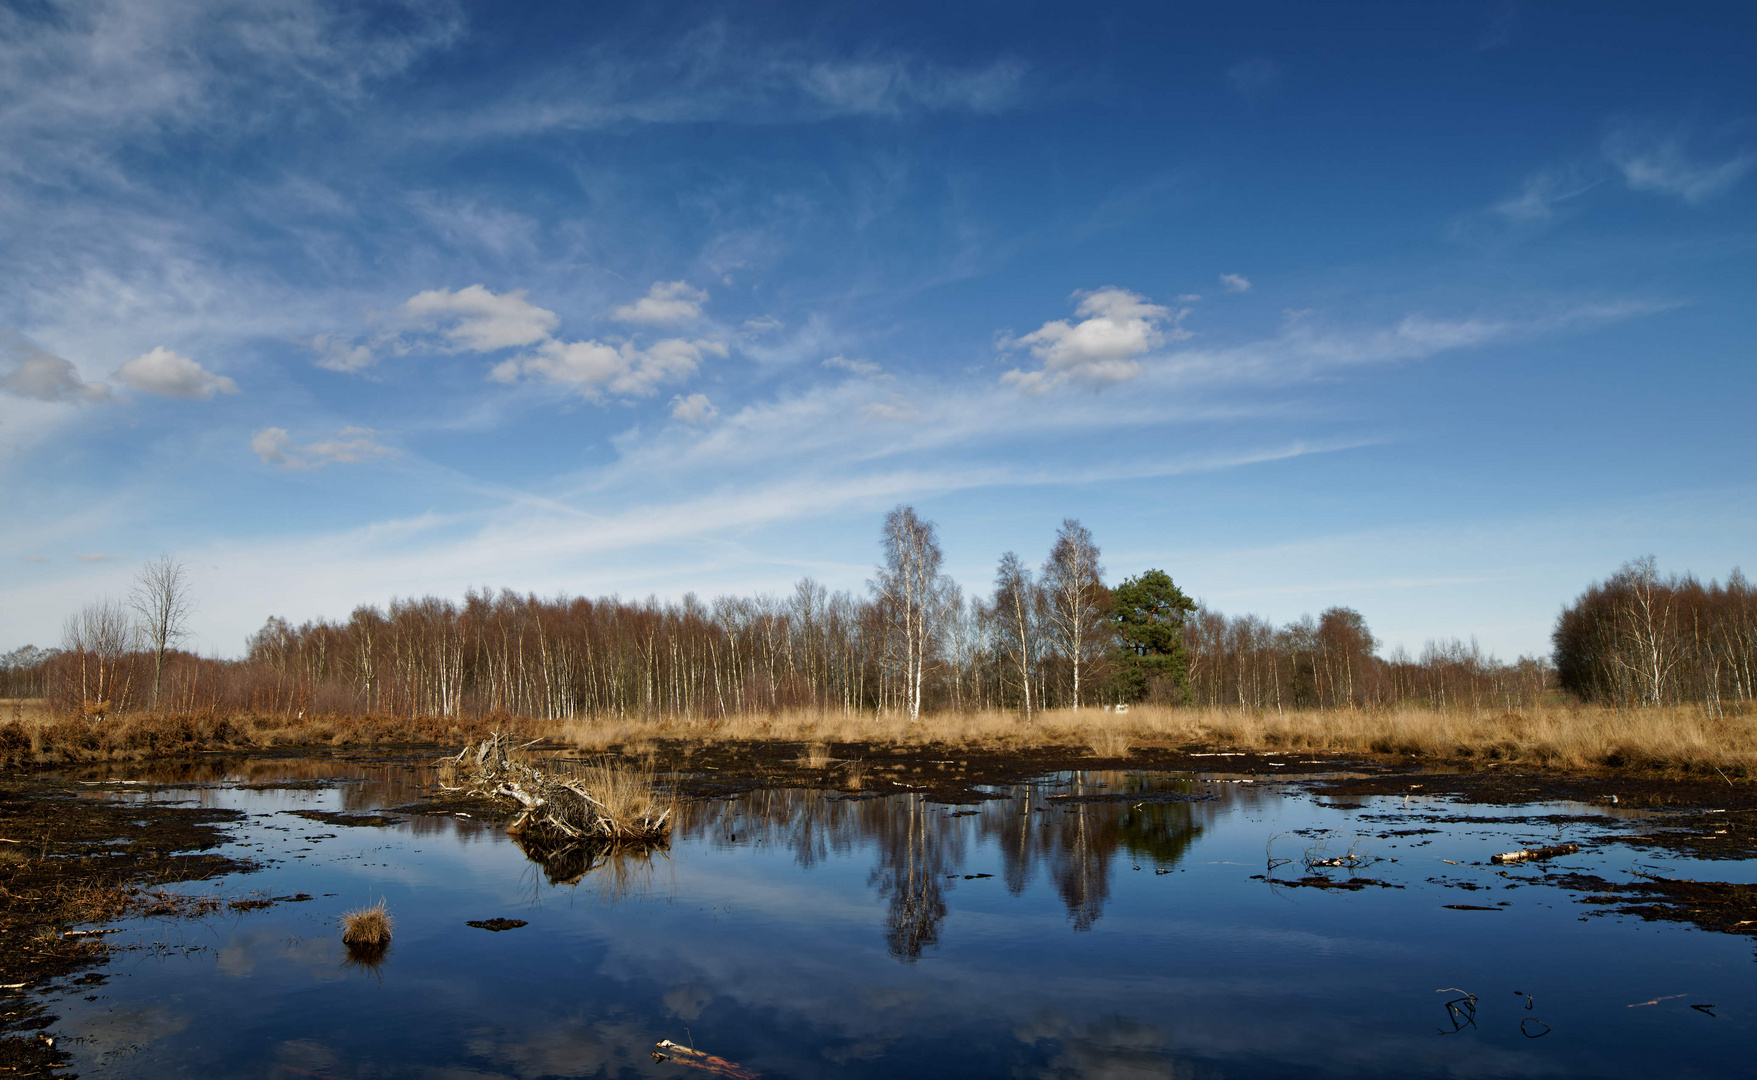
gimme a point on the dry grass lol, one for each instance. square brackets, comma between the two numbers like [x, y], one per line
[367, 929]
[1556, 736]
[626, 800]
[1109, 743]
[39, 737]
[1575, 737]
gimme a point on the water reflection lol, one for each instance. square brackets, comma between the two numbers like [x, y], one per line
[1068, 828]
[917, 852]
[823, 933]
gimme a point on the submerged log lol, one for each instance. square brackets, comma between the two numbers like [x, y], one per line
[1535, 853]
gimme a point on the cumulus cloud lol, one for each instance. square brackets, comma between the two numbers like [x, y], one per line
[1660, 165]
[665, 302]
[351, 446]
[28, 371]
[857, 367]
[170, 374]
[594, 367]
[478, 320]
[695, 409]
[337, 353]
[1115, 328]
[1234, 283]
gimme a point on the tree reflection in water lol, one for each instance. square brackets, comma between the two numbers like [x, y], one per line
[1068, 830]
[915, 857]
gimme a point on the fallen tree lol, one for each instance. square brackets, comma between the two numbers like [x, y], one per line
[570, 801]
[1535, 853]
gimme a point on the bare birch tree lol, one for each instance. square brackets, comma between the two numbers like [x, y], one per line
[161, 599]
[1646, 626]
[1015, 604]
[1074, 583]
[99, 637]
[908, 581]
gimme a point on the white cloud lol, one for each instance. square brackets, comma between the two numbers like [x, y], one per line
[1234, 283]
[1659, 164]
[665, 302]
[1307, 349]
[892, 87]
[481, 321]
[82, 81]
[695, 409]
[857, 367]
[28, 371]
[351, 446]
[170, 374]
[594, 367]
[896, 410]
[1537, 199]
[718, 73]
[1116, 328]
[338, 353]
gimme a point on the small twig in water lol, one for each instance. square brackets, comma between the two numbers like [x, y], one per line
[1655, 1001]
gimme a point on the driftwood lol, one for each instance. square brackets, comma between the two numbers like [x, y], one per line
[666, 1050]
[1535, 853]
[605, 803]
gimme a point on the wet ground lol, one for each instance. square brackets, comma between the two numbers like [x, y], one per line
[925, 913]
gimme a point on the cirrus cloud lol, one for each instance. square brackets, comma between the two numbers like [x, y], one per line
[1661, 165]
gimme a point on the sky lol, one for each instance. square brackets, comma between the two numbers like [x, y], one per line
[1437, 311]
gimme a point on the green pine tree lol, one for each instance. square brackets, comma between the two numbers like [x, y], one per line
[1149, 618]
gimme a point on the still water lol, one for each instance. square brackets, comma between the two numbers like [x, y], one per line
[1099, 924]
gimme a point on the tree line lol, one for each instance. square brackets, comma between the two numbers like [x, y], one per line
[1044, 637]
[1639, 638]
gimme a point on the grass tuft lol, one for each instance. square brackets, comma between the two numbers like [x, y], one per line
[367, 929]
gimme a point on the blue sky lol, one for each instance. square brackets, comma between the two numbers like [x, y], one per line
[1435, 310]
